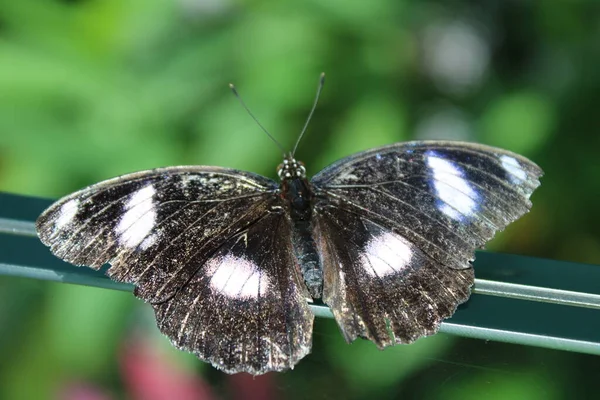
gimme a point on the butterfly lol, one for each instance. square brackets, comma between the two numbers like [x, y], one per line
[230, 260]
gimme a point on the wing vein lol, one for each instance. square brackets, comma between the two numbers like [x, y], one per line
[402, 181]
[184, 264]
[397, 225]
[494, 160]
[385, 193]
[435, 220]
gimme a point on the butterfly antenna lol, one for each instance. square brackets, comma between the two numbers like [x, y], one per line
[237, 95]
[321, 83]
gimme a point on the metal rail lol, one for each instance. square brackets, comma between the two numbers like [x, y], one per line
[516, 299]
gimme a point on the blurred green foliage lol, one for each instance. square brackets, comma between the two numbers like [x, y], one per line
[91, 89]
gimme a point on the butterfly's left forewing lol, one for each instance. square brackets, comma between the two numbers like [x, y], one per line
[185, 236]
[397, 228]
[155, 227]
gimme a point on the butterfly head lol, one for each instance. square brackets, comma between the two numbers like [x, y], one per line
[290, 169]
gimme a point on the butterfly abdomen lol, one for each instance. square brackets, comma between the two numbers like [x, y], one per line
[298, 194]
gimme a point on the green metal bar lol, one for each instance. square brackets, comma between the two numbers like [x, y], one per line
[516, 299]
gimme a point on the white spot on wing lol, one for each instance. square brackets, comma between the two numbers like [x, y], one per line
[149, 241]
[236, 277]
[455, 192]
[67, 212]
[512, 166]
[186, 179]
[386, 254]
[346, 176]
[139, 218]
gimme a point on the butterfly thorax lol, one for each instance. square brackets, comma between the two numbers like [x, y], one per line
[296, 190]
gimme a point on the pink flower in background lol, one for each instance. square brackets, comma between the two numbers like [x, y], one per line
[83, 391]
[148, 375]
[248, 387]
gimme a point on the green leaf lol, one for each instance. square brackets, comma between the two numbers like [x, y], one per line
[520, 122]
[367, 368]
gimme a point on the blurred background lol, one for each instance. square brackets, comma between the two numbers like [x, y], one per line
[92, 89]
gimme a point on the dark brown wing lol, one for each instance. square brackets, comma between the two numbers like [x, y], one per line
[160, 229]
[244, 311]
[412, 215]
[381, 286]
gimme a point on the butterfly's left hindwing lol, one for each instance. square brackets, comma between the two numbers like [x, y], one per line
[245, 309]
[397, 228]
[162, 230]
